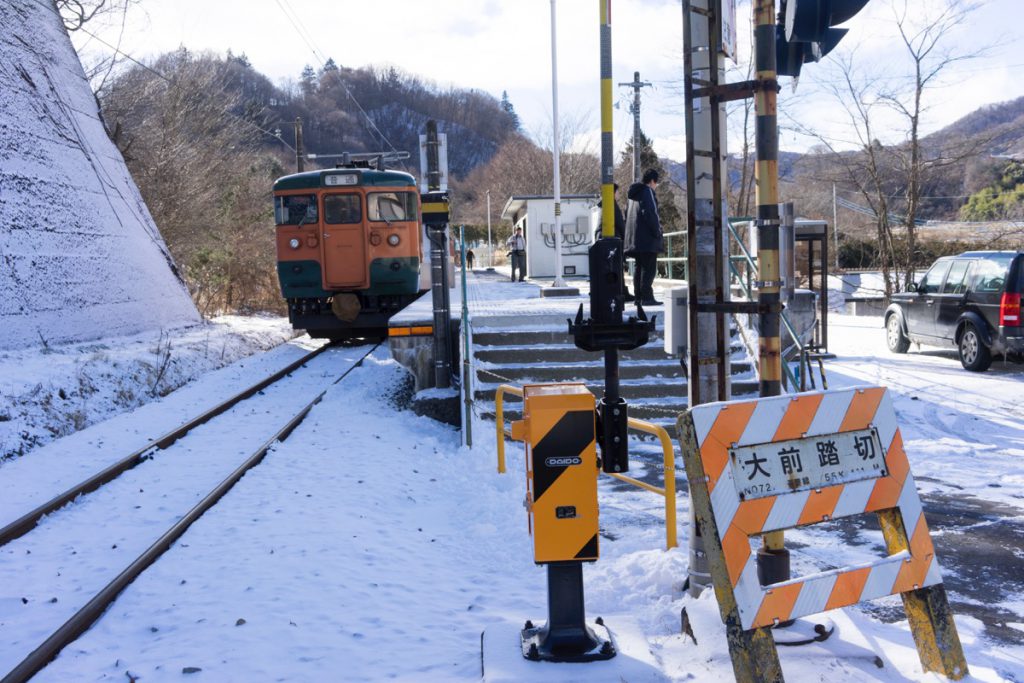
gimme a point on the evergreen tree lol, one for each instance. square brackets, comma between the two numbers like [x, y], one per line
[241, 60]
[506, 106]
[672, 218]
[329, 65]
[307, 81]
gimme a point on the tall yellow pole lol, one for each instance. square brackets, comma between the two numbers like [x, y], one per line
[607, 150]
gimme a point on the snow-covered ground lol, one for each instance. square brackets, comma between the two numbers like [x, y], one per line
[371, 546]
[56, 390]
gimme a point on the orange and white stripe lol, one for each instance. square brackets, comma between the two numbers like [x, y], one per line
[720, 426]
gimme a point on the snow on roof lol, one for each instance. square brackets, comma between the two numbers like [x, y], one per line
[80, 255]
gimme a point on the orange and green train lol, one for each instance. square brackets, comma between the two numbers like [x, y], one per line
[349, 248]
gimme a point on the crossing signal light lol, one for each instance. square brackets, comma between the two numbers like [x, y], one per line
[807, 31]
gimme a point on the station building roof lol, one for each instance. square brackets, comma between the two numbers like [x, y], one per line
[517, 202]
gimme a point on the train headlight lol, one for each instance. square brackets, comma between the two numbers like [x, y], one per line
[393, 240]
[294, 243]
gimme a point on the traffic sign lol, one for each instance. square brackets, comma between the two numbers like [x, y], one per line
[770, 464]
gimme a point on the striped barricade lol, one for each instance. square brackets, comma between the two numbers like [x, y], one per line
[776, 463]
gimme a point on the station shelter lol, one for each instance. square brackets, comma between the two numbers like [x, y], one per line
[535, 214]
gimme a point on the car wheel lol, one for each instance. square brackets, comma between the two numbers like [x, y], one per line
[894, 337]
[974, 355]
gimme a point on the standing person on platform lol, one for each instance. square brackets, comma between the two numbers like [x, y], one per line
[517, 252]
[643, 236]
[469, 258]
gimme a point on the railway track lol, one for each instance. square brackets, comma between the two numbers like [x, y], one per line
[83, 618]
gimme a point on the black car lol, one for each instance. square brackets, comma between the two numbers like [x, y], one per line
[971, 301]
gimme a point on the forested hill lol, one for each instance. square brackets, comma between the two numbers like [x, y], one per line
[399, 106]
[998, 128]
[342, 109]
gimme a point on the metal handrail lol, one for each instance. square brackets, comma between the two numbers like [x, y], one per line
[669, 491]
[499, 419]
[668, 458]
[801, 351]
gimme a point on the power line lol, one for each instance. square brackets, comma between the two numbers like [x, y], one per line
[901, 196]
[169, 80]
[317, 54]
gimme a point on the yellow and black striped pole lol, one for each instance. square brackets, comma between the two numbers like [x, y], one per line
[772, 558]
[767, 190]
[607, 150]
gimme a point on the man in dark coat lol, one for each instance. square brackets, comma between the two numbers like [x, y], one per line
[643, 236]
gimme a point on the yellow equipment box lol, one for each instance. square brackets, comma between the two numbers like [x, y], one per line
[559, 428]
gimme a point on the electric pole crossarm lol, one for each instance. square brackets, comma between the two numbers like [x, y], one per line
[730, 92]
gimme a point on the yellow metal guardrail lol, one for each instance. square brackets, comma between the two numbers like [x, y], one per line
[499, 419]
[668, 492]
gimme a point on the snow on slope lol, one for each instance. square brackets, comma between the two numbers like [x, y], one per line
[55, 391]
[80, 256]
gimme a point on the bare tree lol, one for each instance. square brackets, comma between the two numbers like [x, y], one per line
[865, 169]
[78, 13]
[579, 166]
[201, 169]
[891, 178]
[924, 29]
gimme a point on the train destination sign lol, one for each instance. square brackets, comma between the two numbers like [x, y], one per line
[769, 469]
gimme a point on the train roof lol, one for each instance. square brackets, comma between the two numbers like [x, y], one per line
[312, 180]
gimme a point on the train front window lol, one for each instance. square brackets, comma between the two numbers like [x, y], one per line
[342, 208]
[295, 209]
[391, 206]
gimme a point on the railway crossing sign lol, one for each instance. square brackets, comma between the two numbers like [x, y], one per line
[771, 464]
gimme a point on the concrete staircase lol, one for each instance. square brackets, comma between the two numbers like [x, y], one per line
[541, 351]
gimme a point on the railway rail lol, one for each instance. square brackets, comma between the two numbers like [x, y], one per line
[87, 615]
[28, 521]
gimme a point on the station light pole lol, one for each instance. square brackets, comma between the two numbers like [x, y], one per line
[555, 142]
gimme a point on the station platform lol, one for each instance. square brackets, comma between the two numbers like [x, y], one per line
[495, 300]
[518, 336]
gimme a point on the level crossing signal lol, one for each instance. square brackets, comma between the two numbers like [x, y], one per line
[807, 31]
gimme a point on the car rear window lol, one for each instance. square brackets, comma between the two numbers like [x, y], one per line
[989, 274]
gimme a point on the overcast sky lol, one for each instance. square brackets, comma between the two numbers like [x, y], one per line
[506, 46]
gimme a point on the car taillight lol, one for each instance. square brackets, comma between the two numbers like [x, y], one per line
[1009, 310]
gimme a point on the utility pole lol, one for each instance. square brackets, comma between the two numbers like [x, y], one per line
[636, 84]
[490, 247]
[835, 226]
[707, 242]
[300, 154]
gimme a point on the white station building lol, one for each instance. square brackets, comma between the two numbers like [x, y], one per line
[535, 214]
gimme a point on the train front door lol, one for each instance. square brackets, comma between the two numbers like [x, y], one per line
[344, 242]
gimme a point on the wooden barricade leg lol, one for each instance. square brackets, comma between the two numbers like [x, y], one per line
[931, 619]
[753, 653]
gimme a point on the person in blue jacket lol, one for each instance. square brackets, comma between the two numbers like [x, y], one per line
[643, 236]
